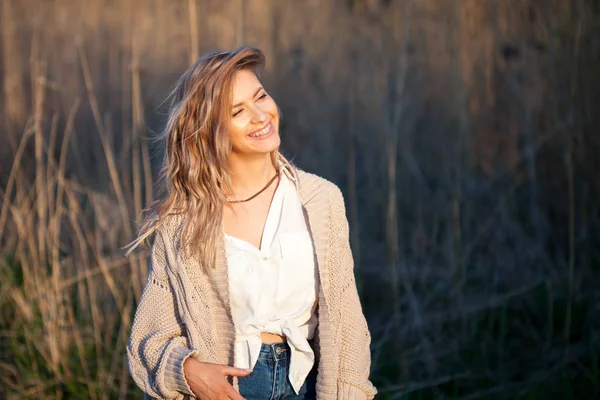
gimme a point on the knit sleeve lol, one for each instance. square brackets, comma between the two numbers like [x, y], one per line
[157, 345]
[355, 359]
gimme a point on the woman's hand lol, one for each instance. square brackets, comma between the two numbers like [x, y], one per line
[208, 381]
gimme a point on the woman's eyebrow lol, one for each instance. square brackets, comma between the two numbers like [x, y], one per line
[253, 96]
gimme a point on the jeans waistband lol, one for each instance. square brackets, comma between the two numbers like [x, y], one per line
[275, 351]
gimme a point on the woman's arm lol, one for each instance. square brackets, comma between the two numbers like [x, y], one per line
[157, 346]
[160, 359]
[355, 359]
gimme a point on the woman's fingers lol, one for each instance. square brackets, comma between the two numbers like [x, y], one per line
[208, 381]
[232, 371]
[233, 394]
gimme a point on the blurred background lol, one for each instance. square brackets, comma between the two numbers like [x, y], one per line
[463, 133]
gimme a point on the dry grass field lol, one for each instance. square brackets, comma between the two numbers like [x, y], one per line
[464, 135]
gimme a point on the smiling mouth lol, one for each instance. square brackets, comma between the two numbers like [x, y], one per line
[264, 131]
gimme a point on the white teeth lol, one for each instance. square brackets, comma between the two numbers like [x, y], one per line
[262, 132]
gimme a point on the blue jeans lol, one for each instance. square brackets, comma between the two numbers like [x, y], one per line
[269, 379]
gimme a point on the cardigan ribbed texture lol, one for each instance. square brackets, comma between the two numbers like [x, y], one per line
[184, 310]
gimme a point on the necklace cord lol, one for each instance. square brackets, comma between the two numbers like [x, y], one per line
[256, 194]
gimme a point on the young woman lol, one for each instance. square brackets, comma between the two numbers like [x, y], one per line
[251, 290]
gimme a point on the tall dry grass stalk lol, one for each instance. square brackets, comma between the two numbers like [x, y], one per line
[352, 185]
[569, 161]
[140, 146]
[193, 17]
[15, 111]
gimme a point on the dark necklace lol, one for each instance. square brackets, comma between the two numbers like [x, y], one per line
[253, 196]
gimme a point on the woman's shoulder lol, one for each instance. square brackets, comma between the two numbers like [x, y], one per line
[314, 186]
[170, 229]
[310, 185]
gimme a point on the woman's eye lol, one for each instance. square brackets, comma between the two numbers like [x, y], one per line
[237, 112]
[262, 96]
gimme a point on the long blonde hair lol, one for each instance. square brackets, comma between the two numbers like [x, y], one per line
[195, 174]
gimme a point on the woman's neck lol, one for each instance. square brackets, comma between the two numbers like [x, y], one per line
[248, 175]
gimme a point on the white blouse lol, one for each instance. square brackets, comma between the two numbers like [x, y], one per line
[274, 289]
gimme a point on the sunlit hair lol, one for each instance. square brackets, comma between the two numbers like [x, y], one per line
[195, 175]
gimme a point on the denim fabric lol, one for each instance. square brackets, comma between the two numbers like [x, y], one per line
[269, 378]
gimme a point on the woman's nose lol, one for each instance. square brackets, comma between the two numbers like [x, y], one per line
[258, 114]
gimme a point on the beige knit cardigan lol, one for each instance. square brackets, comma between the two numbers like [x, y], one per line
[184, 311]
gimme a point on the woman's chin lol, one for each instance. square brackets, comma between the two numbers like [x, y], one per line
[266, 146]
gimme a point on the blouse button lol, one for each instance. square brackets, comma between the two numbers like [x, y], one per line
[265, 258]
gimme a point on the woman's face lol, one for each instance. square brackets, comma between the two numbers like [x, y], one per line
[254, 127]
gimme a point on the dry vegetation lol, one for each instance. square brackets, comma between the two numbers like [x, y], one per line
[463, 133]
